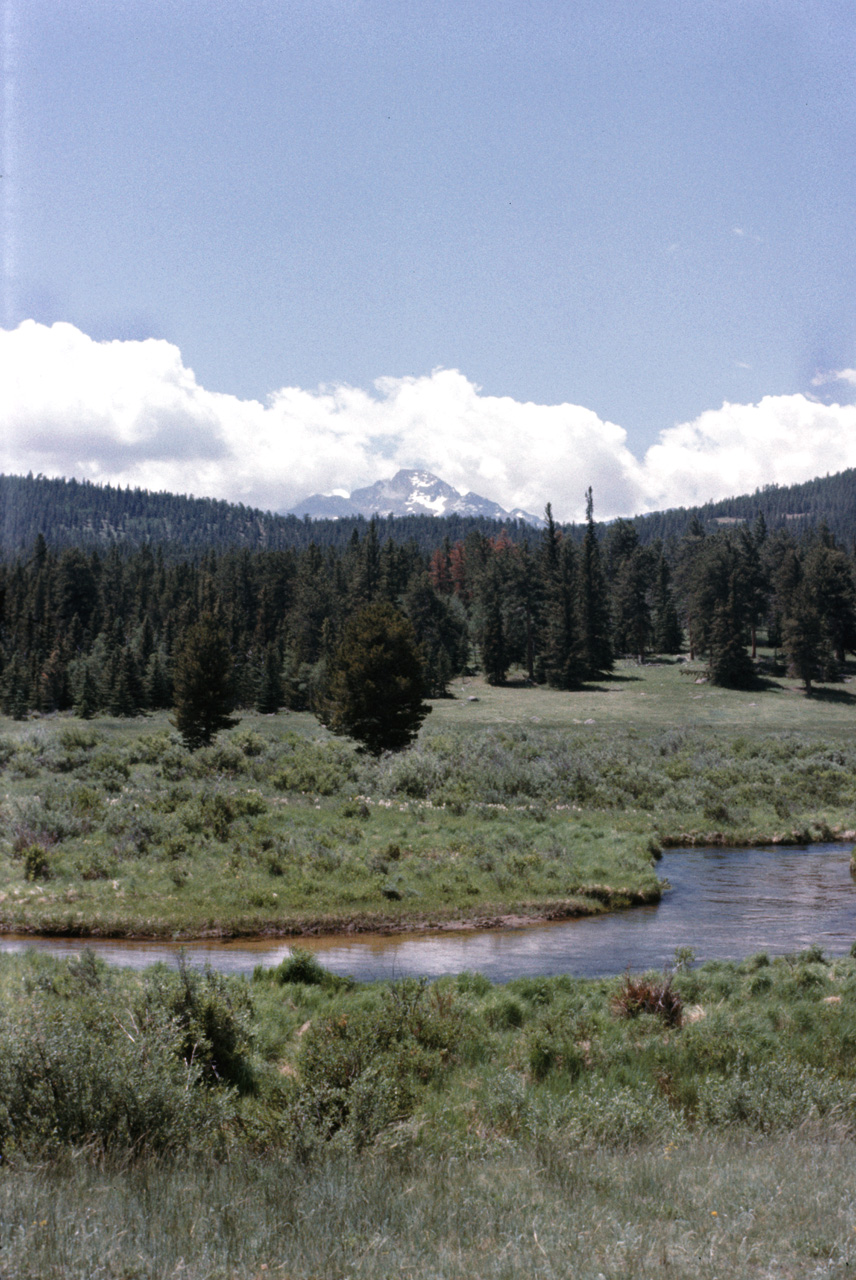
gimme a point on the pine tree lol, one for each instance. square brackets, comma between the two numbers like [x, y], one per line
[157, 685]
[269, 689]
[668, 637]
[202, 684]
[375, 681]
[631, 609]
[729, 663]
[593, 597]
[86, 702]
[126, 691]
[491, 627]
[803, 639]
[561, 663]
[16, 689]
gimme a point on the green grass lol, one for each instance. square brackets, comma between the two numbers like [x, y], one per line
[448, 1129]
[729, 1208]
[119, 831]
[662, 694]
[527, 801]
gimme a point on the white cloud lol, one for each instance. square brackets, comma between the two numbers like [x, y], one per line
[133, 413]
[741, 447]
[842, 375]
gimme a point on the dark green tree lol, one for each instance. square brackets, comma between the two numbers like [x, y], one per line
[269, 689]
[560, 662]
[631, 609]
[157, 684]
[803, 639]
[375, 681]
[202, 688]
[668, 636]
[729, 663]
[86, 701]
[441, 630]
[594, 601]
[16, 689]
[490, 627]
[126, 694]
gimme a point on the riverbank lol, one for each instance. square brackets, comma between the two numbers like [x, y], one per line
[296, 1123]
[114, 829]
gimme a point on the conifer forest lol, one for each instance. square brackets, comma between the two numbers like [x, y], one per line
[98, 628]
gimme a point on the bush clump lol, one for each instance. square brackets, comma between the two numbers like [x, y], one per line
[648, 995]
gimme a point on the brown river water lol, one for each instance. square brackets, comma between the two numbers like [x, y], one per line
[723, 903]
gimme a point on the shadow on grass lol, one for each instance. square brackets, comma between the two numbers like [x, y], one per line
[610, 680]
[835, 696]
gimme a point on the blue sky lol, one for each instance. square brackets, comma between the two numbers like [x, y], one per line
[636, 213]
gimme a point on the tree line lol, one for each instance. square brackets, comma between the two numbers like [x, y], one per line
[82, 514]
[102, 631]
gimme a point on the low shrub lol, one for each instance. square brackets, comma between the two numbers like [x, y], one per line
[361, 1070]
[36, 862]
[775, 1096]
[81, 1071]
[302, 967]
[212, 1019]
[648, 995]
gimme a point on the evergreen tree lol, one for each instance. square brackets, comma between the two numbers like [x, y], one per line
[595, 638]
[53, 693]
[86, 701]
[375, 681]
[561, 663]
[630, 603]
[202, 684]
[269, 690]
[828, 576]
[16, 688]
[157, 686]
[729, 663]
[668, 637]
[490, 626]
[689, 550]
[441, 632]
[126, 690]
[803, 639]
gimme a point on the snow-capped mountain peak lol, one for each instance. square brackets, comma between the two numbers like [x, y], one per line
[407, 493]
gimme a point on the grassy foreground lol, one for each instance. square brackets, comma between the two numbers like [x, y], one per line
[176, 1123]
[519, 803]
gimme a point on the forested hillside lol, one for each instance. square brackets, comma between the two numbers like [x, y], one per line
[100, 630]
[831, 499]
[73, 513]
[77, 513]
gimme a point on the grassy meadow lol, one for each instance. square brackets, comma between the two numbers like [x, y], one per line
[515, 801]
[177, 1123]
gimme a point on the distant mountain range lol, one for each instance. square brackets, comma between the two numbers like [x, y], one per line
[408, 493]
[78, 513]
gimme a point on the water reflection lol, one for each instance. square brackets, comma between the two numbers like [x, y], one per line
[724, 903]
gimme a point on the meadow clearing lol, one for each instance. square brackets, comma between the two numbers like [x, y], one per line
[176, 1122]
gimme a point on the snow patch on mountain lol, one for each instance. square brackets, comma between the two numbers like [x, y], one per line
[407, 493]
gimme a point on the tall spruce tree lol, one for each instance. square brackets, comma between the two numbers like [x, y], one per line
[561, 662]
[491, 625]
[202, 686]
[596, 642]
[668, 637]
[375, 681]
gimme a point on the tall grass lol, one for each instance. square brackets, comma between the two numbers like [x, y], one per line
[721, 1207]
[450, 1129]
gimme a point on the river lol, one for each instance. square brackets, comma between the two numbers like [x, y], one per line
[723, 903]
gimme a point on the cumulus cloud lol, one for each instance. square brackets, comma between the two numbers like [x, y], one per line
[847, 376]
[132, 413]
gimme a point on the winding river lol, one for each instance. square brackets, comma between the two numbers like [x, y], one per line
[723, 903]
